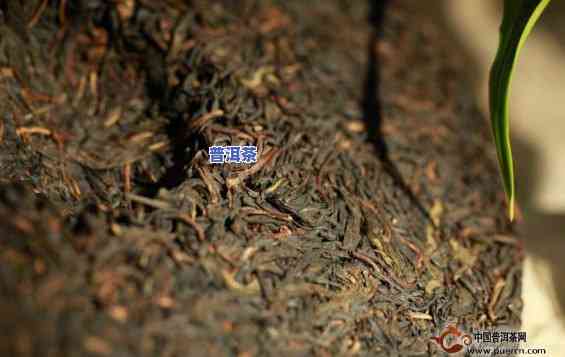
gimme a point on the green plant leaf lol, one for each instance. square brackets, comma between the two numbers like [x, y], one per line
[519, 18]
